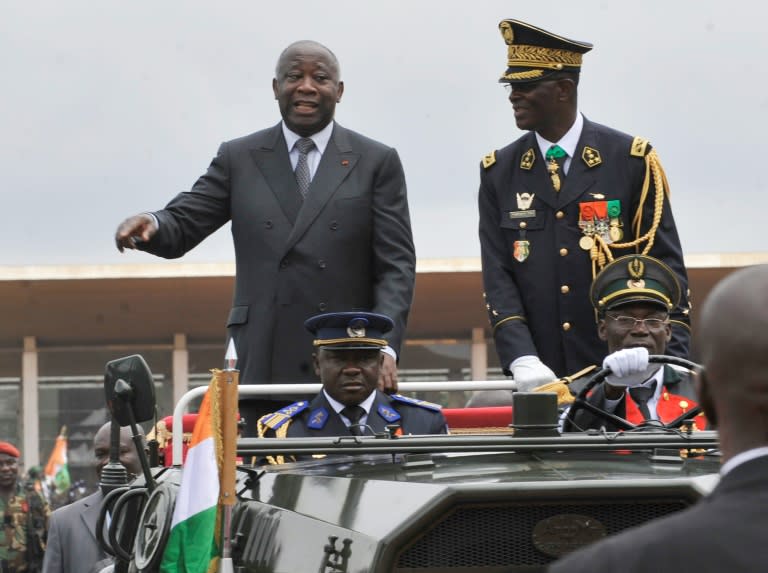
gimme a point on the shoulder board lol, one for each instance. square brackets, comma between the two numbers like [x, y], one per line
[640, 147]
[277, 419]
[489, 159]
[416, 402]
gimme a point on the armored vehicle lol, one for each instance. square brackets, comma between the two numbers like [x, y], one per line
[507, 500]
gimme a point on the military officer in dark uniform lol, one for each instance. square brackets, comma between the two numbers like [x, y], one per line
[556, 206]
[347, 361]
[633, 297]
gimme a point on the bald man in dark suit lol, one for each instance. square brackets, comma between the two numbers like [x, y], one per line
[72, 546]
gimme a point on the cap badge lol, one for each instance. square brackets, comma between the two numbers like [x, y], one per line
[636, 269]
[356, 329]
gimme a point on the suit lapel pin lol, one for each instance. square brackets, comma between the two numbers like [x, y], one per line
[345, 162]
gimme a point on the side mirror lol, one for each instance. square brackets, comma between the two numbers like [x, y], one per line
[128, 384]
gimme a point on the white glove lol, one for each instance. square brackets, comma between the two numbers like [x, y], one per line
[627, 361]
[530, 372]
[629, 367]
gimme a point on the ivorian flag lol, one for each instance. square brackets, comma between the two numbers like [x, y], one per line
[56, 470]
[193, 545]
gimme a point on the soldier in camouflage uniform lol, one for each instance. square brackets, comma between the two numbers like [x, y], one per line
[25, 518]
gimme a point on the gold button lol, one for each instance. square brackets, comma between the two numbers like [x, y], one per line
[566, 326]
[559, 214]
[565, 289]
[563, 252]
[523, 224]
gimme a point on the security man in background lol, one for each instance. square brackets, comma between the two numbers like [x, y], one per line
[633, 297]
[72, 545]
[556, 206]
[25, 518]
[348, 360]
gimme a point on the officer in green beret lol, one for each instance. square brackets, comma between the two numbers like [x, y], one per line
[25, 518]
[558, 204]
[347, 360]
[633, 297]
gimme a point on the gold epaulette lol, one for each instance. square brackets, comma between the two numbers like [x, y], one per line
[639, 147]
[489, 159]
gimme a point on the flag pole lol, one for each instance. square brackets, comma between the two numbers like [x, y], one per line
[228, 393]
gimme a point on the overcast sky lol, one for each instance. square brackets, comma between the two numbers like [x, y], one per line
[110, 108]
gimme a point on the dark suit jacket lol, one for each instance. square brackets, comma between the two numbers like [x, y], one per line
[72, 545]
[413, 419]
[529, 302]
[347, 246]
[723, 532]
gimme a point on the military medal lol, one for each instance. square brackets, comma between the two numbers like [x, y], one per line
[615, 233]
[587, 224]
[552, 168]
[553, 154]
[586, 242]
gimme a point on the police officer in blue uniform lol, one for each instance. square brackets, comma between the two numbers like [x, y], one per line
[556, 206]
[347, 361]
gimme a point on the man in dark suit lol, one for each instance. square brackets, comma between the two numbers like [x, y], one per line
[555, 206]
[347, 361]
[725, 531]
[633, 296]
[320, 222]
[72, 545]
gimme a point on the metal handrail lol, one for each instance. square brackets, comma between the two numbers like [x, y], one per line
[477, 443]
[314, 388]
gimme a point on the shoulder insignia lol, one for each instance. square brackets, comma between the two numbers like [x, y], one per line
[389, 414]
[591, 156]
[416, 402]
[489, 159]
[277, 419]
[317, 419]
[639, 147]
[527, 160]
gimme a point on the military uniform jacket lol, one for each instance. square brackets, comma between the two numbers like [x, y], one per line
[724, 531]
[318, 418]
[541, 305]
[22, 531]
[347, 245]
[678, 397]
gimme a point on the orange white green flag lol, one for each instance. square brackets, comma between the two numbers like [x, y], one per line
[57, 470]
[192, 546]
